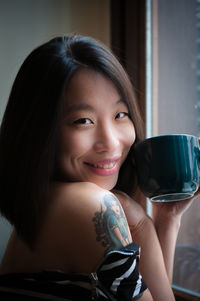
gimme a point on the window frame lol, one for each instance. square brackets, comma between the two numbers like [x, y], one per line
[128, 42]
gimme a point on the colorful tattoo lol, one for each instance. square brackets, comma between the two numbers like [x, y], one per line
[110, 224]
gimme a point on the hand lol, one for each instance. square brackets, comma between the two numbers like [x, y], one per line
[171, 210]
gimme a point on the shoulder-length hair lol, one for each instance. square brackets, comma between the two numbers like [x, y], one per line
[28, 133]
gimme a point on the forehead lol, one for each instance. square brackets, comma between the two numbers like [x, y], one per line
[89, 85]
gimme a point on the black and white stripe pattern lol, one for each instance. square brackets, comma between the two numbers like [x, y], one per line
[116, 278]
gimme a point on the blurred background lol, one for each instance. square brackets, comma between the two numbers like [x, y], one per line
[158, 43]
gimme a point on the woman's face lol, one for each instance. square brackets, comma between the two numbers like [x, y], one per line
[96, 132]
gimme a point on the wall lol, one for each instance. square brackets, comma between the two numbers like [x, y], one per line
[24, 24]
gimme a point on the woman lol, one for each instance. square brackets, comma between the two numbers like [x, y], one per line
[65, 158]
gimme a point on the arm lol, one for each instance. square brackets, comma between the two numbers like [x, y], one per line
[152, 266]
[167, 221]
[118, 234]
[167, 231]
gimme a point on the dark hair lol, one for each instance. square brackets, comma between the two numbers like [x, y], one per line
[28, 133]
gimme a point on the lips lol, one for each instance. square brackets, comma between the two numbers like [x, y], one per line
[104, 168]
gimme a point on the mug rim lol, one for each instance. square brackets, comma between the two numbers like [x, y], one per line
[165, 135]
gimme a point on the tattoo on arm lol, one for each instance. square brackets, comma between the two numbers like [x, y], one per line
[110, 223]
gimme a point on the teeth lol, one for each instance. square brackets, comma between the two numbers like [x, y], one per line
[106, 166]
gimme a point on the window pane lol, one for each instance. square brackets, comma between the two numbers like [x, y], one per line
[176, 109]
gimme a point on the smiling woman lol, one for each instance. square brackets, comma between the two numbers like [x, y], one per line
[66, 176]
[96, 132]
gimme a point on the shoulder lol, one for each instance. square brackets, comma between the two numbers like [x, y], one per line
[74, 204]
[78, 197]
[75, 227]
[75, 189]
[83, 196]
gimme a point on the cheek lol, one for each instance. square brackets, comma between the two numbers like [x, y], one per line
[129, 135]
[73, 144]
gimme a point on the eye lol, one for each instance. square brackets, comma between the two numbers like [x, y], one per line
[83, 121]
[121, 115]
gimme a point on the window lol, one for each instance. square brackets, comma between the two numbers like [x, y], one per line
[166, 75]
[174, 29]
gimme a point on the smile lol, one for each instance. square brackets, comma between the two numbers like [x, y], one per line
[104, 166]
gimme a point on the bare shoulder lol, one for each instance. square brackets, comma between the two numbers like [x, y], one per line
[78, 188]
[76, 197]
[82, 201]
[74, 204]
[83, 223]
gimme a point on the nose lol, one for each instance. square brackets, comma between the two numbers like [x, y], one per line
[107, 139]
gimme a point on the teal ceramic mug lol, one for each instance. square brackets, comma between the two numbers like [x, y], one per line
[168, 167]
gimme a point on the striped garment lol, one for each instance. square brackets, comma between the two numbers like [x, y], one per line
[116, 278]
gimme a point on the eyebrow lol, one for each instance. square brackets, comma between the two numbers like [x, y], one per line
[85, 107]
[79, 107]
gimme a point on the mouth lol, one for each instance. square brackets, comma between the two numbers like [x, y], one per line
[104, 168]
